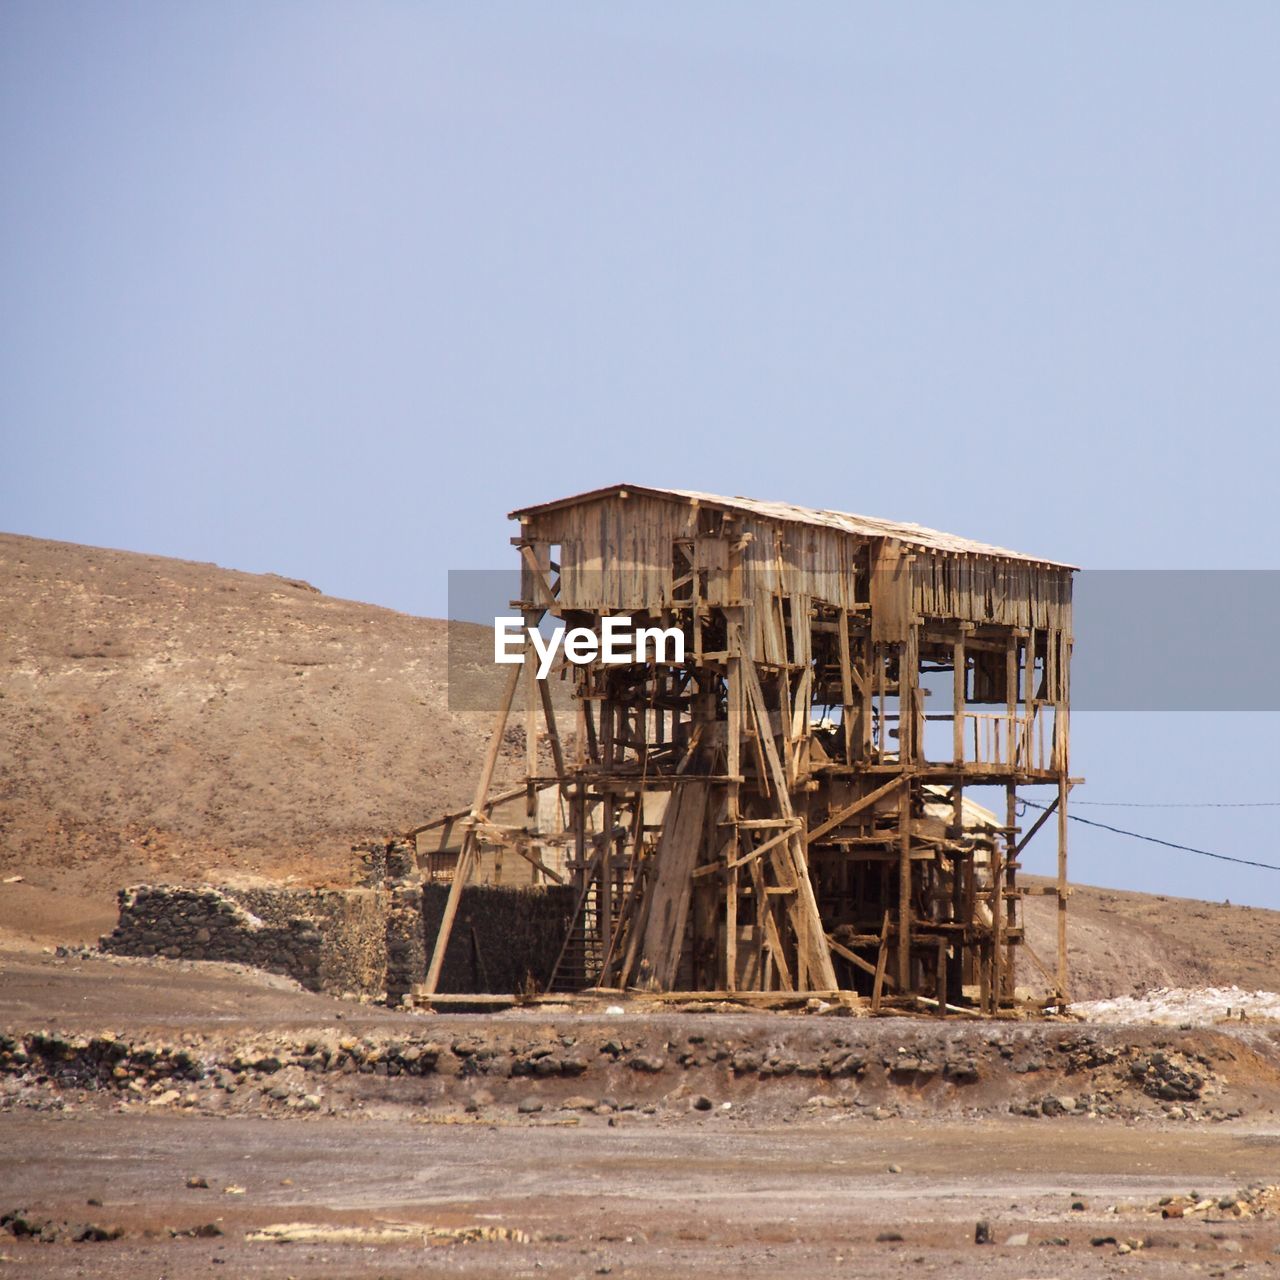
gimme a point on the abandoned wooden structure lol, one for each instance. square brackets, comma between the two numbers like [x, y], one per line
[785, 810]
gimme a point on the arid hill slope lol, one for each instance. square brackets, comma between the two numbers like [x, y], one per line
[1122, 943]
[167, 720]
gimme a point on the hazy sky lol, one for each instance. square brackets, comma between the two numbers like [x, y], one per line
[328, 289]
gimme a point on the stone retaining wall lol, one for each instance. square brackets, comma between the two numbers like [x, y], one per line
[205, 923]
[372, 941]
[352, 925]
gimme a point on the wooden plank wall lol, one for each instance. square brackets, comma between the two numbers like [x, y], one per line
[616, 555]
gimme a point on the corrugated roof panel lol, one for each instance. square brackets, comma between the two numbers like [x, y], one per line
[864, 526]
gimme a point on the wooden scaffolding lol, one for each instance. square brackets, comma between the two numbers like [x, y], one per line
[785, 810]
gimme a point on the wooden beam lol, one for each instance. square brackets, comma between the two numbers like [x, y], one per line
[865, 965]
[1044, 817]
[537, 573]
[447, 818]
[904, 889]
[731, 925]
[1006, 901]
[1063, 977]
[465, 858]
[553, 733]
[882, 963]
[764, 848]
[841, 816]
[818, 956]
[670, 890]
[774, 942]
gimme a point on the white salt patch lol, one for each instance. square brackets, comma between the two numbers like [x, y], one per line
[1176, 1005]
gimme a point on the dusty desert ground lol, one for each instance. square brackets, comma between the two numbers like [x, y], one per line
[334, 1139]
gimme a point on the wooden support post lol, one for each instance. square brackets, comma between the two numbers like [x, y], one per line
[531, 708]
[589, 744]
[773, 941]
[883, 735]
[733, 766]
[538, 597]
[846, 687]
[806, 918]
[608, 728]
[882, 962]
[997, 917]
[1011, 709]
[958, 703]
[909, 736]
[1027, 759]
[862, 675]
[553, 734]
[784, 718]
[579, 812]
[731, 922]
[671, 887]
[604, 893]
[465, 857]
[959, 867]
[1063, 975]
[904, 888]
[733, 726]
[1008, 904]
[763, 956]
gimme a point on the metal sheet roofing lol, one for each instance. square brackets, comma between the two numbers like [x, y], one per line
[915, 535]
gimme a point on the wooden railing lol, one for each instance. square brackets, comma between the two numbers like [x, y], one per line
[1019, 741]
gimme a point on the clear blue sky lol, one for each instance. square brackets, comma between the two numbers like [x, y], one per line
[327, 289]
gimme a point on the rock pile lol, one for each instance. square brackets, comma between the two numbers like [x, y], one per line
[1258, 1200]
[25, 1226]
[880, 1070]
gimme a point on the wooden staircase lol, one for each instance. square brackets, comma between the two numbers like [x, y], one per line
[581, 957]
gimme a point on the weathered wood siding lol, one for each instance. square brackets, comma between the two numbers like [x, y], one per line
[620, 554]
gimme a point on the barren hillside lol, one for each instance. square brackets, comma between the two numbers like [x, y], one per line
[1122, 943]
[167, 720]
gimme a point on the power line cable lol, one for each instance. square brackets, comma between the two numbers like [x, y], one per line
[1169, 844]
[1181, 804]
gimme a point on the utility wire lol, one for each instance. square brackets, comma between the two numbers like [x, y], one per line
[1169, 844]
[1179, 804]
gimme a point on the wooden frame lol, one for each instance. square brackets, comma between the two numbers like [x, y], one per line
[795, 854]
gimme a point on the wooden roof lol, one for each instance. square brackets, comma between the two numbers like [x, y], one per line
[915, 535]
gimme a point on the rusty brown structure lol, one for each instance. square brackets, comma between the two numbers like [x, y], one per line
[785, 810]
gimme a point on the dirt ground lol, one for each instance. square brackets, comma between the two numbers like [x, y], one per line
[804, 1200]
[613, 1169]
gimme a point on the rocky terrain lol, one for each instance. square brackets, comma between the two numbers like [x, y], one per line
[177, 1117]
[646, 1061]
